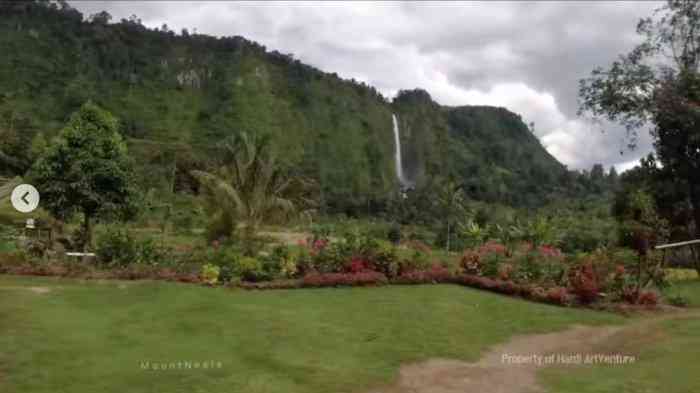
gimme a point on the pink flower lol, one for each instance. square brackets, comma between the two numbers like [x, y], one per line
[550, 251]
[320, 244]
[492, 248]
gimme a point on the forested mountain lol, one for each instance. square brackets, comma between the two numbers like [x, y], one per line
[177, 96]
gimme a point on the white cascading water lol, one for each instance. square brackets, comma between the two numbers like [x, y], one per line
[399, 164]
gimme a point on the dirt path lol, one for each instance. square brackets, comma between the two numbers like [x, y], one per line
[512, 367]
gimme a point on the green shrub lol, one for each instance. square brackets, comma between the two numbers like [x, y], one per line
[355, 243]
[183, 221]
[117, 247]
[304, 260]
[226, 258]
[525, 268]
[322, 256]
[585, 238]
[281, 263]
[418, 234]
[330, 261]
[394, 234]
[553, 272]
[13, 259]
[210, 274]
[7, 238]
[490, 264]
[385, 260]
[678, 301]
[417, 261]
[250, 269]
[681, 274]
[234, 263]
[474, 235]
[321, 232]
[149, 252]
[540, 231]
[219, 227]
[381, 231]
[6, 246]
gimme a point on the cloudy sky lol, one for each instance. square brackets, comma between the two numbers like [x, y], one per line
[525, 56]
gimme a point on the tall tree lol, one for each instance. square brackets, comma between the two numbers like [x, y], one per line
[86, 170]
[451, 205]
[613, 177]
[657, 85]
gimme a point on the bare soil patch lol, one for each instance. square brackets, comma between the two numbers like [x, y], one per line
[287, 238]
[39, 290]
[495, 373]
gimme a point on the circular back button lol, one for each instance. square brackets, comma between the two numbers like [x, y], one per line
[25, 198]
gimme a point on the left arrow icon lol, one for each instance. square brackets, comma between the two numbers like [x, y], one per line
[25, 198]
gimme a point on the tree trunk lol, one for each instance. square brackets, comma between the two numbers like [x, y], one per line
[87, 233]
[640, 269]
[696, 258]
[694, 193]
[447, 246]
[695, 203]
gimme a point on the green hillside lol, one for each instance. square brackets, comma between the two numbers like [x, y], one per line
[178, 95]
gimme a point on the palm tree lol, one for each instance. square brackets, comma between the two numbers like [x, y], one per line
[7, 185]
[450, 202]
[251, 187]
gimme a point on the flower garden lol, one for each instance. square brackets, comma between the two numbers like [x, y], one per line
[541, 273]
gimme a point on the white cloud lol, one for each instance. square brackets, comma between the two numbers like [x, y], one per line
[625, 166]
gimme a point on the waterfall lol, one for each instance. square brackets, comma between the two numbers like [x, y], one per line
[399, 164]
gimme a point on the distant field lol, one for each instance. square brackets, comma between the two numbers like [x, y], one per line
[93, 336]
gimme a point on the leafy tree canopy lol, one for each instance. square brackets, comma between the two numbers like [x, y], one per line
[657, 84]
[86, 170]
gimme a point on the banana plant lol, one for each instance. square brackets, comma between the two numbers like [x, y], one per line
[474, 233]
[509, 235]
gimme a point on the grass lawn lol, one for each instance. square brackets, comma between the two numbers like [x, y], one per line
[667, 353]
[93, 336]
[667, 361]
[688, 289]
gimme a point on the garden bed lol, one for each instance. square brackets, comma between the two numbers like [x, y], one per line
[538, 273]
[556, 295]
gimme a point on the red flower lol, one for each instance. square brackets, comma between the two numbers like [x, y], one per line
[343, 279]
[550, 251]
[620, 270]
[357, 265]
